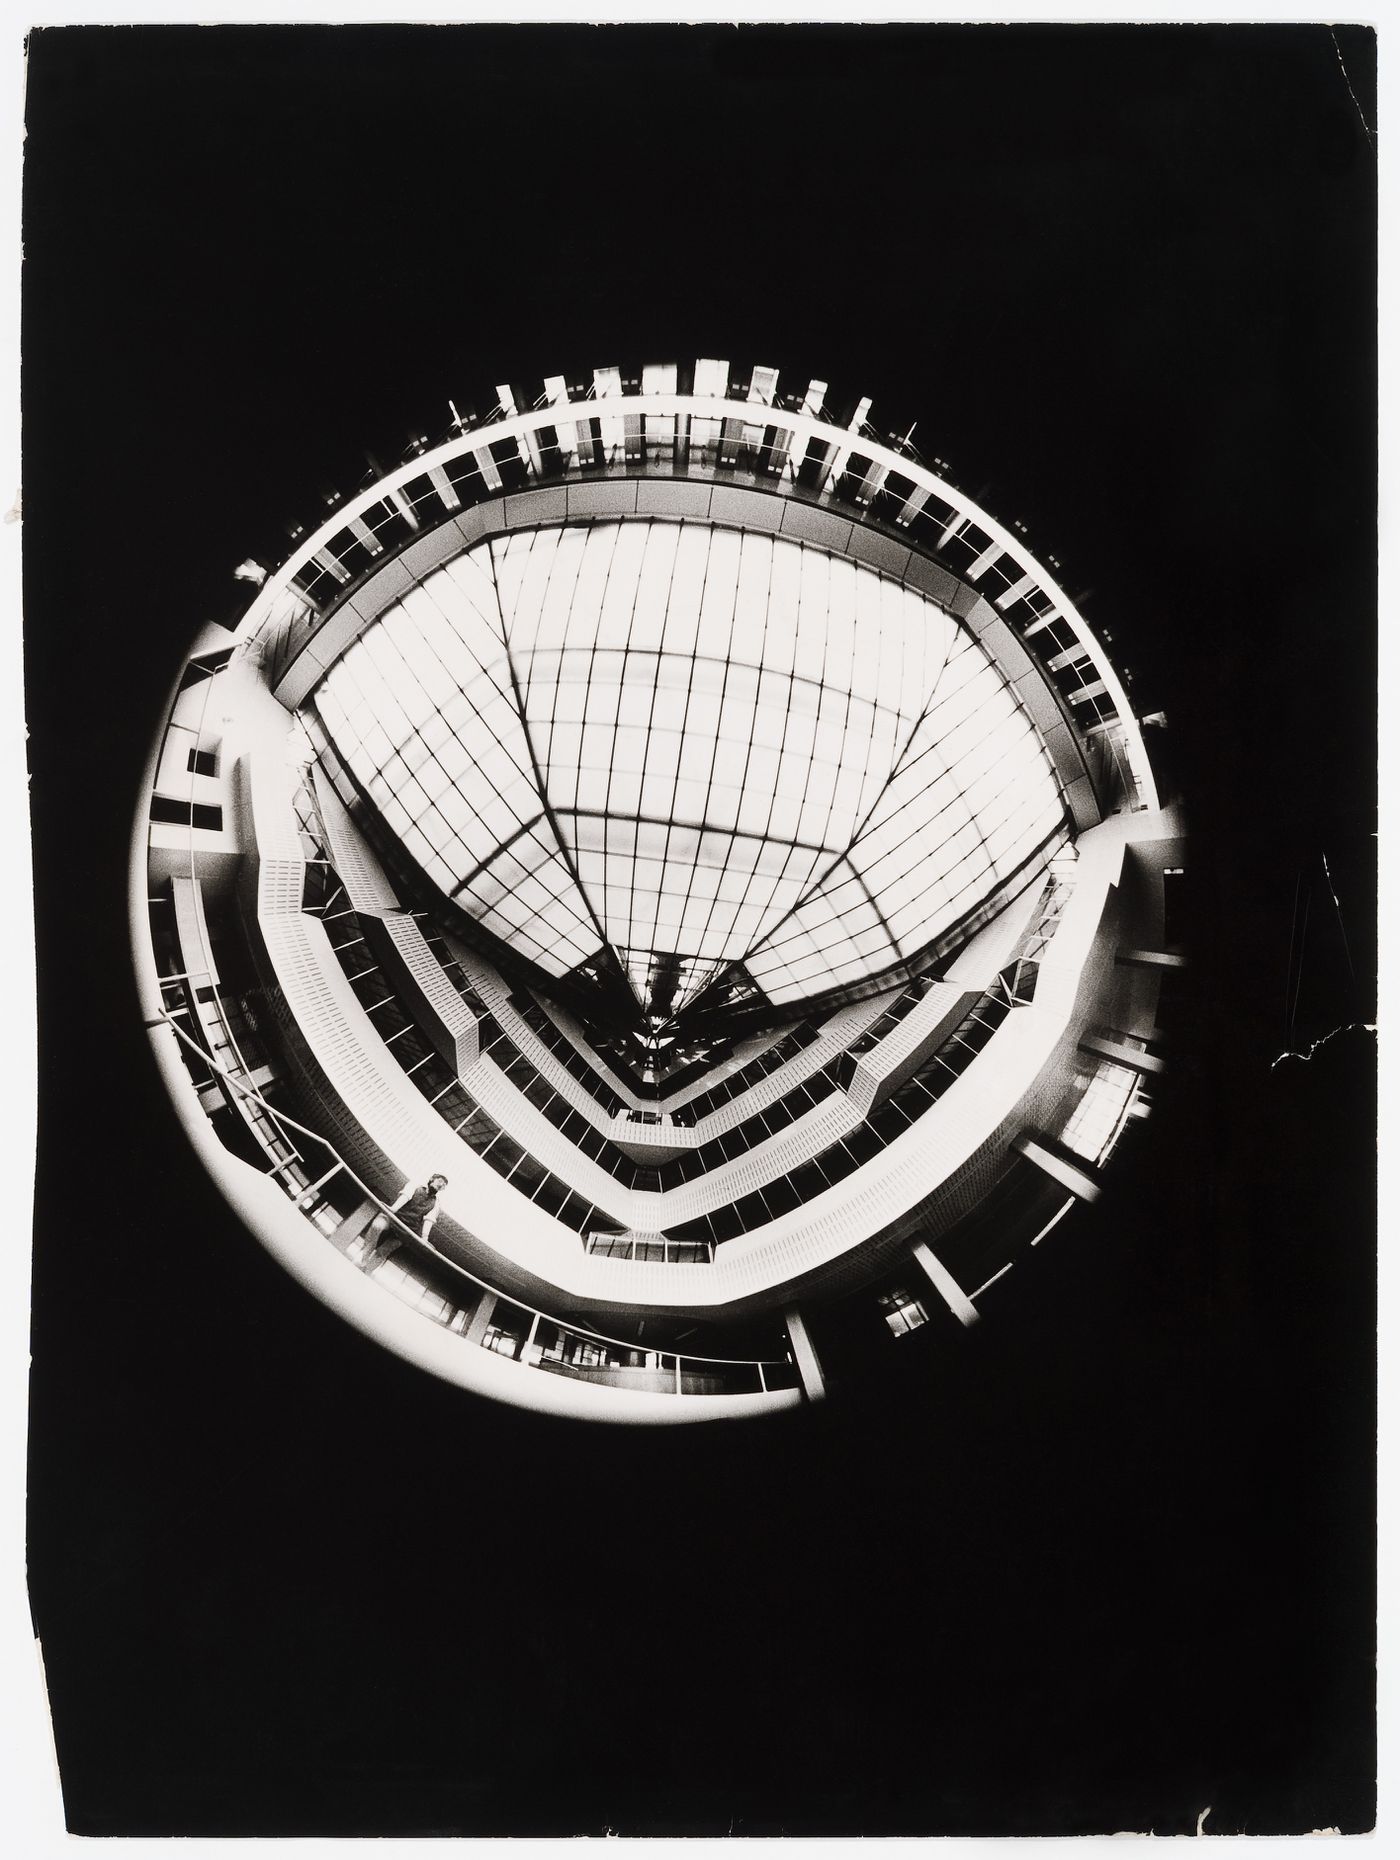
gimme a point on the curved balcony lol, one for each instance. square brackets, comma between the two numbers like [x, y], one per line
[930, 1138]
[302, 1197]
[718, 445]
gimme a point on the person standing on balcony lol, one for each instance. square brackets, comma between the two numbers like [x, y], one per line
[416, 1208]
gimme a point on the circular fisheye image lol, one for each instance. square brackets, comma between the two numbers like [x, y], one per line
[659, 898]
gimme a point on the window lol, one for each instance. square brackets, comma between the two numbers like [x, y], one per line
[1172, 901]
[203, 762]
[166, 812]
[199, 669]
[902, 1312]
[1098, 1117]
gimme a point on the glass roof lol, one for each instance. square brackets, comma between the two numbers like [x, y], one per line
[698, 745]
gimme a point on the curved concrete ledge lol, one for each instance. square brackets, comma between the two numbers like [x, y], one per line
[921, 1170]
[838, 526]
[310, 1258]
[767, 510]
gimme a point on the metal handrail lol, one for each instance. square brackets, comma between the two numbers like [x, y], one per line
[206, 951]
[1105, 721]
[680, 406]
[571, 1327]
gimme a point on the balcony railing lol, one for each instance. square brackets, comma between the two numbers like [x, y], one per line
[309, 1170]
[777, 443]
[217, 1042]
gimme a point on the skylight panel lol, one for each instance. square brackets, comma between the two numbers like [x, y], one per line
[560, 554]
[810, 657]
[717, 602]
[780, 617]
[620, 593]
[751, 596]
[650, 614]
[590, 585]
[734, 694]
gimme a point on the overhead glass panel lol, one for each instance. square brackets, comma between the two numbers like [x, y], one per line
[701, 746]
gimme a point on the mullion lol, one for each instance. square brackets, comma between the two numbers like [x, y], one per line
[695, 660]
[651, 716]
[714, 754]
